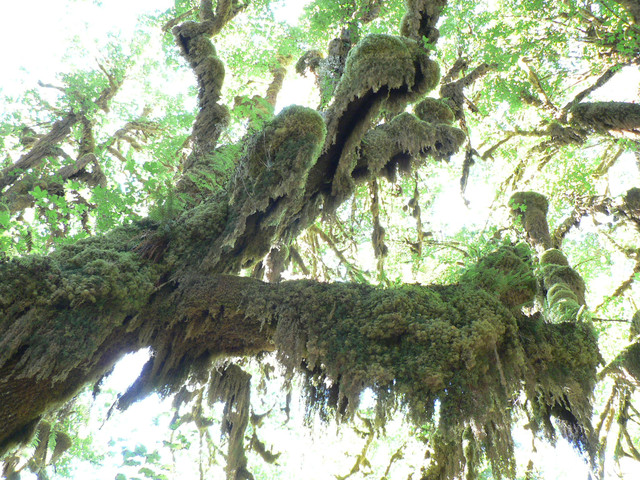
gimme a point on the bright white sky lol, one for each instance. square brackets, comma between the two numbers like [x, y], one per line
[37, 34]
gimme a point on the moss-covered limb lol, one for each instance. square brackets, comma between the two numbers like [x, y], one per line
[626, 366]
[461, 64]
[380, 248]
[63, 320]
[530, 208]
[603, 117]
[563, 286]
[268, 201]
[421, 18]
[45, 144]
[17, 198]
[279, 72]
[226, 10]
[402, 144]
[453, 92]
[381, 71]
[631, 206]
[74, 320]
[328, 70]
[425, 344]
[40, 149]
[281, 183]
[602, 79]
[194, 41]
[632, 7]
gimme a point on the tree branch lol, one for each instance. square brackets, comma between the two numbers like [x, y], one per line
[604, 78]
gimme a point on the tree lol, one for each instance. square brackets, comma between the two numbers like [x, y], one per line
[185, 277]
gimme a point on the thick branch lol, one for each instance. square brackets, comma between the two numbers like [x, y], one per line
[41, 148]
[604, 117]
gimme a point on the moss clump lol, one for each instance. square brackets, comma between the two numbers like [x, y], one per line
[402, 143]
[396, 64]
[523, 201]
[506, 272]
[531, 209]
[379, 60]
[553, 256]
[269, 182]
[433, 110]
[74, 299]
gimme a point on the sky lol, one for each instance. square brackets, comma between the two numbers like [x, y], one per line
[42, 31]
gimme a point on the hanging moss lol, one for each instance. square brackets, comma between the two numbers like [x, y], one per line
[562, 362]
[269, 184]
[400, 145]
[231, 385]
[425, 344]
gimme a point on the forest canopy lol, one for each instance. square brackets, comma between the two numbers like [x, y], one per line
[412, 225]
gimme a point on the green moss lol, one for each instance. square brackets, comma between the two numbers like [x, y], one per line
[379, 60]
[522, 201]
[553, 257]
[269, 181]
[397, 64]
[562, 361]
[402, 143]
[62, 307]
[566, 277]
[434, 111]
[508, 273]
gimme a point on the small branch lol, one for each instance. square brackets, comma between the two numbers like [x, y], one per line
[175, 21]
[460, 64]
[295, 255]
[604, 78]
[354, 273]
[534, 79]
